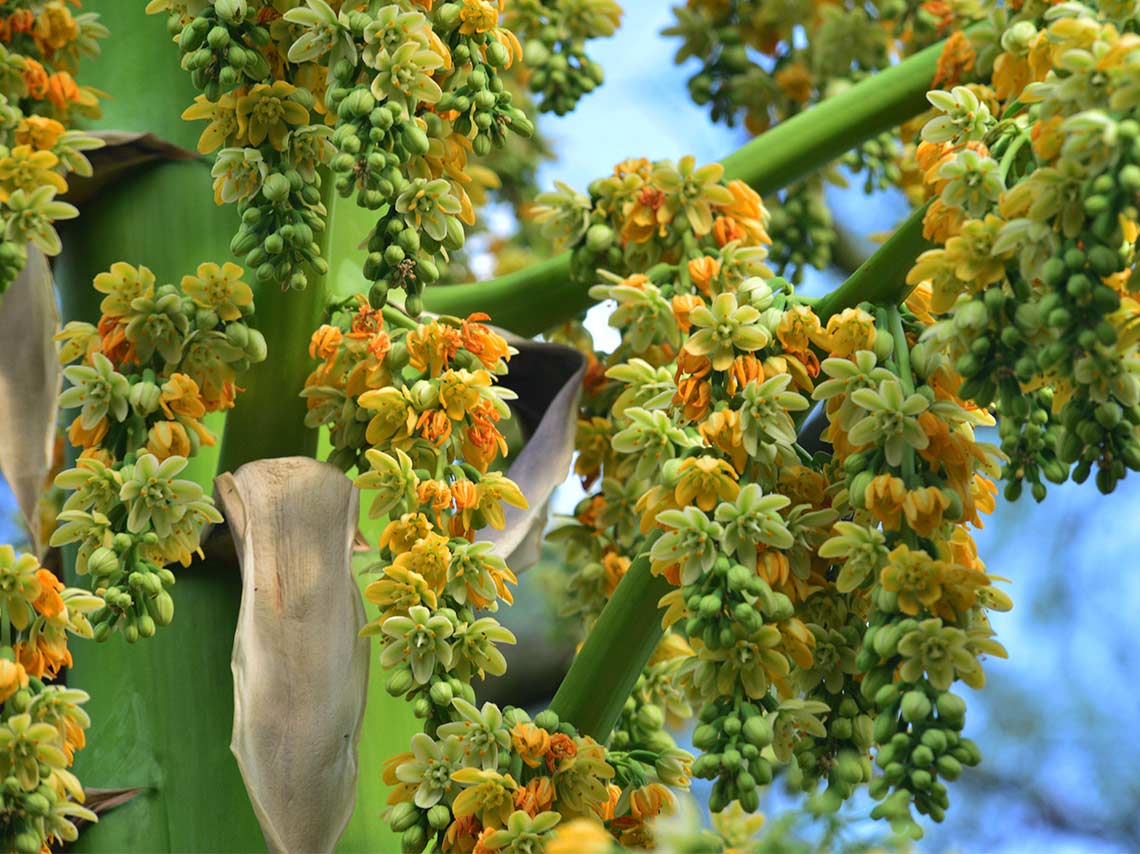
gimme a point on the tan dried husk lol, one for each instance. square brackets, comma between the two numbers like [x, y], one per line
[29, 386]
[300, 668]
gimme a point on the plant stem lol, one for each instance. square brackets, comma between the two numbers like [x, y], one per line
[269, 418]
[607, 667]
[532, 300]
[881, 279]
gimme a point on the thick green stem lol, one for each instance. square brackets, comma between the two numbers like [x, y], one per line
[881, 279]
[607, 666]
[269, 418]
[531, 300]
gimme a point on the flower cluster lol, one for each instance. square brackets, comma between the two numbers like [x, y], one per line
[391, 97]
[803, 575]
[41, 725]
[1034, 182]
[41, 45]
[414, 406]
[160, 359]
[555, 33]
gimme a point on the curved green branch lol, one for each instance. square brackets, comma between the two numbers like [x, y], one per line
[541, 296]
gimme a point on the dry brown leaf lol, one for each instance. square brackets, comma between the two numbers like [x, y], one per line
[548, 381]
[122, 153]
[300, 668]
[29, 385]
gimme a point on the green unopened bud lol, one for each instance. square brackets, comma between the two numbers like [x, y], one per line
[145, 397]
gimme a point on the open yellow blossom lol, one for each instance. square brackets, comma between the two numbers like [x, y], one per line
[13, 677]
[223, 121]
[530, 742]
[706, 481]
[25, 168]
[848, 332]
[401, 534]
[123, 284]
[220, 288]
[398, 590]
[267, 112]
[924, 508]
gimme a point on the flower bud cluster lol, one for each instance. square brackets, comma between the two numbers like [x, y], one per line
[385, 100]
[1036, 181]
[160, 359]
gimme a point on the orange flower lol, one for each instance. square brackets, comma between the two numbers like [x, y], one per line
[325, 343]
[35, 78]
[795, 81]
[682, 305]
[436, 494]
[168, 439]
[530, 742]
[956, 60]
[482, 441]
[432, 346]
[744, 369]
[561, 746]
[40, 132]
[82, 438]
[536, 796]
[488, 347]
[180, 396]
[726, 229]
[702, 271]
[615, 567]
[49, 603]
[435, 426]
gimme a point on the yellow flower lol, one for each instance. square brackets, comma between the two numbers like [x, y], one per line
[40, 132]
[429, 558]
[267, 112]
[494, 491]
[432, 346]
[219, 288]
[580, 836]
[55, 27]
[489, 796]
[401, 534]
[847, 332]
[13, 677]
[915, 577]
[705, 481]
[223, 118]
[459, 391]
[924, 508]
[395, 418]
[722, 431]
[123, 284]
[180, 396]
[477, 16]
[27, 169]
[401, 588]
[884, 498]
[78, 341]
[168, 439]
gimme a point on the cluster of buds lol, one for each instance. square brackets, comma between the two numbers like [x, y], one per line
[560, 71]
[414, 406]
[41, 45]
[802, 573]
[158, 361]
[1035, 187]
[41, 725]
[389, 97]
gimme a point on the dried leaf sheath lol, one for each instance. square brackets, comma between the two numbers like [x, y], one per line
[29, 385]
[300, 669]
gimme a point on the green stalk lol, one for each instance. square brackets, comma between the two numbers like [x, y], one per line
[532, 300]
[609, 663]
[881, 279]
[606, 669]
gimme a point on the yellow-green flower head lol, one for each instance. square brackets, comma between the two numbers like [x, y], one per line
[653, 438]
[31, 214]
[764, 414]
[154, 497]
[891, 420]
[430, 769]
[420, 640]
[219, 288]
[94, 486]
[693, 190]
[268, 111]
[523, 834]
[238, 174]
[19, 587]
[406, 73]
[98, 389]
[581, 779]
[751, 521]
[862, 550]
[724, 328]
[394, 479]
[123, 284]
[158, 323]
[24, 168]
[392, 27]
[24, 746]
[694, 541]
[427, 205]
[942, 653]
[474, 650]
[481, 731]
[323, 31]
[487, 795]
